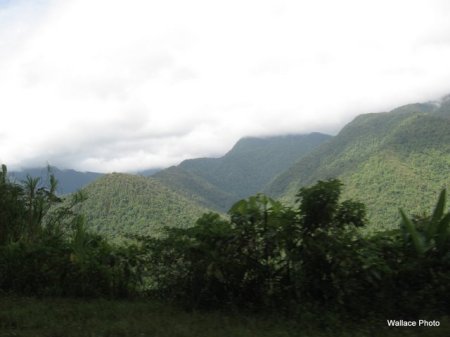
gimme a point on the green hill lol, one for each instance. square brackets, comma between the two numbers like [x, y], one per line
[386, 160]
[122, 203]
[243, 171]
[195, 187]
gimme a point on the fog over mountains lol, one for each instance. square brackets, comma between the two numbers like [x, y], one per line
[399, 157]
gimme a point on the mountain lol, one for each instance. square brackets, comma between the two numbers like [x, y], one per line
[69, 181]
[400, 158]
[123, 203]
[149, 172]
[253, 162]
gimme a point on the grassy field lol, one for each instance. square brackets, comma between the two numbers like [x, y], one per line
[29, 317]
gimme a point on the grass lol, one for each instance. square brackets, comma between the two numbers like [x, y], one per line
[31, 317]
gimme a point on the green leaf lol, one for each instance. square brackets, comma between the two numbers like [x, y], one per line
[442, 231]
[437, 215]
[418, 243]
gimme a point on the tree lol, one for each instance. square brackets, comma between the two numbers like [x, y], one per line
[12, 209]
[320, 208]
[326, 235]
[26, 208]
[266, 236]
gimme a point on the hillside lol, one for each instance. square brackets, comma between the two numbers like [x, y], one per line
[69, 181]
[196, 188]
[243, 171]
[122, 203]
[384, 159]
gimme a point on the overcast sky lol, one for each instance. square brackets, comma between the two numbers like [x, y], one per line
[107, 85]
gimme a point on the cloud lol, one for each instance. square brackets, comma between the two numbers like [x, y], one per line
[113, 86]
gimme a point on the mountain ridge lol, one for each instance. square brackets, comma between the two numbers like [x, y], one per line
[69, 180]
[241, 172]
[379, 156]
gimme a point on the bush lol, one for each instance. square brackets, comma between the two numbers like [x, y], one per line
[59, 268]
[46, 250]
[267, 256]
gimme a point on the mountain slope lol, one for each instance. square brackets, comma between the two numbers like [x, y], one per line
[243, 171]
[195, 187]
[384, 159]
[69, 181]
[122, 203]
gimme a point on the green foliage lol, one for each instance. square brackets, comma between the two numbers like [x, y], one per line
[351, 213]
[24, 207]
[320, 208]
[219, 262]
[195, 188]
[429, 234]
[56, 267]
[46, 250]
[319, 203]
[119, 205]
[275, 257]
[264, 256]
[384, 159]
[252, 163]
[327, 250]
[12, 209]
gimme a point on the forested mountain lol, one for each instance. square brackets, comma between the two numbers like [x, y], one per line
[386, 160]
[396, 158]
[69, 181]
[120, 203]
[243, 171]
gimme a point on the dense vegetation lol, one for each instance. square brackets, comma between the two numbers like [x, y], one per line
[121, 204]
[266, 257]
[194, 187]
[272, 256]
[386, 160]
[243, 171]
[46, 250]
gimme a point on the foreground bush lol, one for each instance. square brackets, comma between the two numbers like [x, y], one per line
[275, 257]
[46, 250]
[265, 256]
[64, 268]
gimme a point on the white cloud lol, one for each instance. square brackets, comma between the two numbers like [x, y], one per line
[113, 85]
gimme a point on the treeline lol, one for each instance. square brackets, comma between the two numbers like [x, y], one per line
[264, 256]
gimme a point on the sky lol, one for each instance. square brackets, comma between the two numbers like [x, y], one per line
[108, 85]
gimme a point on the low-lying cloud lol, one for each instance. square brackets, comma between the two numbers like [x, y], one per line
[123, 86]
